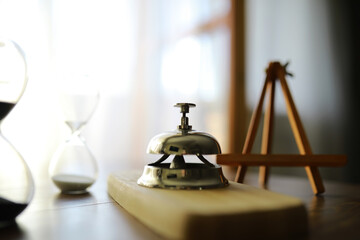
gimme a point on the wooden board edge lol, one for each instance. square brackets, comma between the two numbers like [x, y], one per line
[214, 228]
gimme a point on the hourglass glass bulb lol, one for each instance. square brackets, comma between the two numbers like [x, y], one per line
[73, 167]
[78, 108]
[16, 182]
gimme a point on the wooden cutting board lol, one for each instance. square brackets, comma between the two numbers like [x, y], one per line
[238, 211]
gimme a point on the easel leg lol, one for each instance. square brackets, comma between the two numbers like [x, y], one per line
[240, 174]
[251, 134]
[300, 136]
[314, 177]
[267, 133]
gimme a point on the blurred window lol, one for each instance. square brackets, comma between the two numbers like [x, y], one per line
[144, 56]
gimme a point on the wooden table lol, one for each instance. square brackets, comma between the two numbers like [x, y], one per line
[51, 215]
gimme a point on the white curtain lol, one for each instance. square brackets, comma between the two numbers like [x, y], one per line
[141, 64]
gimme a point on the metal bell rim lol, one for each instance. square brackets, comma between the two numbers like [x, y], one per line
[195, 176]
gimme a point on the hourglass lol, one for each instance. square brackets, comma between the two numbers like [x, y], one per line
[16, 182]
[73, 167]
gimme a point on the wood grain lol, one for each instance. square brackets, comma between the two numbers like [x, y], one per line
[210, 214]
[289, 160]
[51, 215]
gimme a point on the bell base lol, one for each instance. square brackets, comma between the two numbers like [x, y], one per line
[192, 176]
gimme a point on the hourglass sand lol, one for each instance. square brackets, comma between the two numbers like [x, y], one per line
[73, 167]
[16, 182]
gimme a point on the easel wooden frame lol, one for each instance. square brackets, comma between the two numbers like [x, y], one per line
[276, 71]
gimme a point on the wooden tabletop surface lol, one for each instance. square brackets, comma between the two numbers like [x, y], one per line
[51, 215]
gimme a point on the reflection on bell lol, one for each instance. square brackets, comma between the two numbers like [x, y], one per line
[178, 174]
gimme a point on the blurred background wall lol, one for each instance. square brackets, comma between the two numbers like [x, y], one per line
[320, 39]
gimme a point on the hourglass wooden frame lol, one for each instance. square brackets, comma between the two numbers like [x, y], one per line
[305, 158]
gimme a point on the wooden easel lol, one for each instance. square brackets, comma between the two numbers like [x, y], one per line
[265, 159]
